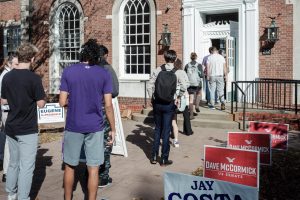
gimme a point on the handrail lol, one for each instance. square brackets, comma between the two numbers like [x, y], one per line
[244, 107]
[265, 94]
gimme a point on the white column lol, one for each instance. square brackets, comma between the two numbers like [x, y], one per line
[188, 33]
[251, 40]
[296, 41]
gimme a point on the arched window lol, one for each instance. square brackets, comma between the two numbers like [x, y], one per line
[66, 38]
[136, 37]
[69, 35]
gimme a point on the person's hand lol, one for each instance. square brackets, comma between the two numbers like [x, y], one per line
[112, 135]
[208, 78]
[225, 78]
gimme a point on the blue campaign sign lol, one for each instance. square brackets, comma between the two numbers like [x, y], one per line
[51, 113]
[187, 187]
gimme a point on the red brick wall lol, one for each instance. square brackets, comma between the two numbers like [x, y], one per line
[280, 63]
[10, 10]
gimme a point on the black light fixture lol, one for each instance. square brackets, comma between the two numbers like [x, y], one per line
[165, 36]
[273, 31]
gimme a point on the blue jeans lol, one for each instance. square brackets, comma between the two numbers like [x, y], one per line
[163, 115]
[21, 164]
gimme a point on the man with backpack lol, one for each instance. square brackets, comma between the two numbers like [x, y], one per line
[162, 88]
[195, 74]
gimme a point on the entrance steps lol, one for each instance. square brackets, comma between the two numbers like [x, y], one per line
[207, 118]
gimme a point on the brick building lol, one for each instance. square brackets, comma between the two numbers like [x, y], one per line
[131, 29]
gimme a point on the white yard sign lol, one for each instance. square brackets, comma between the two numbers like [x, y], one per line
[119, 146]
[188, 187]
[51, 113]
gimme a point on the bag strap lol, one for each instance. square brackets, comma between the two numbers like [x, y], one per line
[163, 67]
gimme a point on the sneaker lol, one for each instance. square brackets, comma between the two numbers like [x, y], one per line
[223, 106]
[176, 143]
[211, 107]
[197, 110]
[103, 183]
[12, 197]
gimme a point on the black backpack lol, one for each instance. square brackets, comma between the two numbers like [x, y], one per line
[165, 85]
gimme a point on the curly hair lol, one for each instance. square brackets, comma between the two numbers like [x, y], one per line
[90, 52]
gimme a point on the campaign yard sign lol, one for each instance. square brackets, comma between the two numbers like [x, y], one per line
[252, 141]
[232, 165]
[51, 113]
[279, 133]
[187, 187]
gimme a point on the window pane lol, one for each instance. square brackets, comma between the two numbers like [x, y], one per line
[140, 29]
[140, 19]
[146, 38]
[133, 19]
[147, 69]
[132, 29]
[141, 69]
[147, 28]
[127, 69]
[146, 18]
[133, 69]
[140, 59]
[133, 60]
[139, 39]
[132, 39]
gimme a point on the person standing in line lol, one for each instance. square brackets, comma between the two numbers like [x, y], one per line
[216, 74]
[21, 125]
[104, 177]
[9, 64]
[162, 88]
[84, 88]
[204, 64]
[183, 105]
[195, 74]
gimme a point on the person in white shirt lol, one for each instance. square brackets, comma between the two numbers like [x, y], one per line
[11, 62]
[216, 74]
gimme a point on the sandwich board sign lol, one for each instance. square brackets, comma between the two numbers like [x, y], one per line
[252, 141]
[187, 187]
[119, 146]
[232, 165]
[51, 113]
[279, 133]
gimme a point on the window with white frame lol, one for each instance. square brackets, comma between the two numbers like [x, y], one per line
[69, 35]
[66, 37]
[137, 37]
[12, 39]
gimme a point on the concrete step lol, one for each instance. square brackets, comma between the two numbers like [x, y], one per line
[204, 114]
[197, 122]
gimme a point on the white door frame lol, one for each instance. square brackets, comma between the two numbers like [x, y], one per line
[193, 22]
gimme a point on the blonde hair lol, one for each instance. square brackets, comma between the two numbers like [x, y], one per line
[193, 56]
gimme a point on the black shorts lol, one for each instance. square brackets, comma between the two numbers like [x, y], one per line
[193, 89]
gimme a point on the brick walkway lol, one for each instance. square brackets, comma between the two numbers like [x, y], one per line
[133, 177]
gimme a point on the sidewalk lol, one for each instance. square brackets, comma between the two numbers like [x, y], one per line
[133, 177]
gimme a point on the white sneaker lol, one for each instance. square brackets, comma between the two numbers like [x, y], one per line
[176, 143]
[12, 197]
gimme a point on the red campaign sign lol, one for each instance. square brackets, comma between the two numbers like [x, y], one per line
[232, 165]
[279, 133]
[252, 141]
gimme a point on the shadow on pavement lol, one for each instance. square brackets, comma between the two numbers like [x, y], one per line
[39, 174]
[143, 138]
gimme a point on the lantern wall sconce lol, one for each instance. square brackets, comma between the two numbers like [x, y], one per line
[165, 36]
[270, 37]
[272, 31]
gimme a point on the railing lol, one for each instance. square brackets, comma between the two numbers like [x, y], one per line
[265, 94]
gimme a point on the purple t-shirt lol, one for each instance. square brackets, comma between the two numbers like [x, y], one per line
[86, 86]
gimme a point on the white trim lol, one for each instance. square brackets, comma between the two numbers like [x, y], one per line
[193, 33]
[54, 75]
[117, 37]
